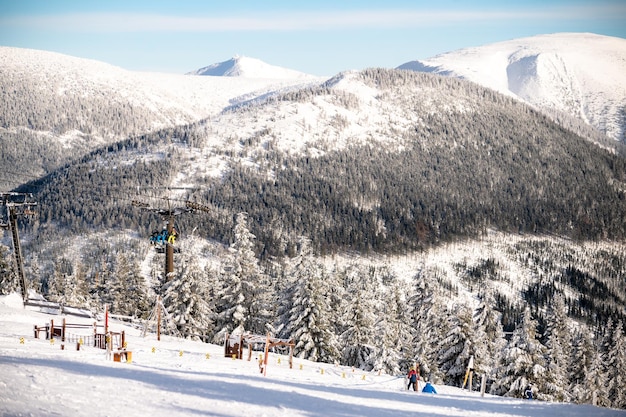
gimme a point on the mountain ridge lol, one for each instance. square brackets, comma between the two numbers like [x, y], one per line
[579, 74]
[58, 107]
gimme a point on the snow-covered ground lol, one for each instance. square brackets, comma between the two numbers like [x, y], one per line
[174, 377]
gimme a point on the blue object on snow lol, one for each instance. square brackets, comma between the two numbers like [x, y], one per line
[429, 388]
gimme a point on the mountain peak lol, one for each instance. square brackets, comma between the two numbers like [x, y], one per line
[580, 74]
[247, 67]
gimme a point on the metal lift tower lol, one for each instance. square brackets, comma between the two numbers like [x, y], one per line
[17, 204]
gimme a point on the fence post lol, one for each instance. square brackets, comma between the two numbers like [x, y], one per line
[51, 329]
[63, 331]
[483, 384]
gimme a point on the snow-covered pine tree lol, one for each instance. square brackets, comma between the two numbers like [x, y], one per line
[488, 336]
[57, 283]
[357, 342]
[616, 367]
[428, 322]
[185, 299]
[128, 288]
[337, 297]
[522, 362]
[558, 343]
[99, 290]
[594, 390]
[246, 292]
[299, 268]
[393, 340]
[75, 287]
[231, 312]
[309, 324]
[457, 347]
[580, 364]
[117, 286]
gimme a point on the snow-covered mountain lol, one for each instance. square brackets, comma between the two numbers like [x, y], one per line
[174, 98]
[62, 106]
[246, 67]
[580, 74]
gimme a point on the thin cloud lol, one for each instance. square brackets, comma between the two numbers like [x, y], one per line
[277, 21]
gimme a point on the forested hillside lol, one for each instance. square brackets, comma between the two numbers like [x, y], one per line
[409, 216]
[473, 161]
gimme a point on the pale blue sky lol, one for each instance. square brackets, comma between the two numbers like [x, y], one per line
[318, 37]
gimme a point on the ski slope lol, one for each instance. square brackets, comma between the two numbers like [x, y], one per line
[174, 377]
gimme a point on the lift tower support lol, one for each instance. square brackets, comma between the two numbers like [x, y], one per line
[15, 208]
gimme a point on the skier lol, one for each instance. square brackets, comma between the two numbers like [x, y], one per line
[412, 376]
[429, 388]
[528, 392]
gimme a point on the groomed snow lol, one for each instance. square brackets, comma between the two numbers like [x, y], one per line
[175, 377]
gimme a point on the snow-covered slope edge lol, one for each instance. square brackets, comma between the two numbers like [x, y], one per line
[580, 74]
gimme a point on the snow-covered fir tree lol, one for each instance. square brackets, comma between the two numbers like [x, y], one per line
[456, 348]
[558, 344]
[594, 390]
[76, 288]
[522, 362]
[297, 269]
[428, 322]
[308, 324]
[117, 287]
[185, 299]
[357, 342]
[616, 367]
[393, 342]
[59, 281]
[580, 364]
[489, 341]
[130, 290]
[246, 296]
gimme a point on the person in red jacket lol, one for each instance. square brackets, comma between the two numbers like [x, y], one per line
[412, 376]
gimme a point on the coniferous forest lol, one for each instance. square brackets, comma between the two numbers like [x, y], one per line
[462, 224]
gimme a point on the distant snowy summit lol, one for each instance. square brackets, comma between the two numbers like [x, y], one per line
[246, 67]
[581, 74]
